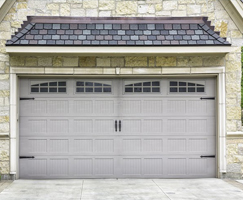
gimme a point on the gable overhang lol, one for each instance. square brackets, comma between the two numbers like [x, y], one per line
[5, 8]
[124, 50]
[235, 10]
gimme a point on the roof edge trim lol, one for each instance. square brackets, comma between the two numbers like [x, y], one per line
[119, 50]
[235, 9]
[5, 8]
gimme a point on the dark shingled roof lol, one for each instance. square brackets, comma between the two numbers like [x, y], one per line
[111, 31]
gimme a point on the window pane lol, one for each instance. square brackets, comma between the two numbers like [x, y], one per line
[98, 89]
[146, 83]
[137, 84]
[146, 89]
[155, 83]
[35, 85]
[43, 89]
[98, 84]
[107, 89]
[182, 89]
[34, 89]
[53, 84]
[106, 85]
[200, 89]
[79, 83]
[173, 83]
[191, 90]
[52, 89]
[79, 89]
[44, 84]
[130, 85]
[128, 89]
[137, 89]
[155, 89]
[88, 89]
[89, 83]
[182, 83]
[200, 85]
[191, 84]
[173, 89]
[61, 89]
[63, 83]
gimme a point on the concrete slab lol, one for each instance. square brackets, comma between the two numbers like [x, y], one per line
[122, 189]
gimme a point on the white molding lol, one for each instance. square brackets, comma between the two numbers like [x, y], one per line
[119, 50]
[125, 72]
[235, 134]
[5, 8]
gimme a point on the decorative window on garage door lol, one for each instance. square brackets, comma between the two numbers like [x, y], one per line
[93, 87]
[186, 86]
[142, 86]
[48, 86]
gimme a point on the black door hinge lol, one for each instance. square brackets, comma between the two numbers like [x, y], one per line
[208, 98]
[22, 157]
[26, 98]
[209, 156]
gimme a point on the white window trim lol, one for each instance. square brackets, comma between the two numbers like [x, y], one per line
[163, 72]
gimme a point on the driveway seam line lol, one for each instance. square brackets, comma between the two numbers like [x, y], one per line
[160, 188]
[82, 190]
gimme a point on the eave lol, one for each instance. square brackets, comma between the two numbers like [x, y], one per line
[109, 51]
[5, 8]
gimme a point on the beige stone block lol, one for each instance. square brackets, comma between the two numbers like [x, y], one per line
[105, 13]
[70, 61]
[146, 70]
[109, 71]
[75, 1]
[87, 61]
[77, 5]
[170, 5]
[233, 88]
[230, 101]
[233, 112]
[211, 16]
[103, 62]
[45, 61]
[49, 70]
[16, 24]
[221, 26]
[232, 77]
[186, 1]
[213, 61]
[193, 9]
[88, 70]
[208, 7]
[4, 119]
[231, 152]
[158, 7]
[57, 61]
[106, 4]
[231, 125]
[201, 1]
[136, 61]
[4, 127]
[22, 14]
[182, 7]
[4, 93]
[165, 61]
[55, 13]
[53, 6]
[17, 61]
[173, 70]
[234, 65]
[31, 62]
[4, 57]
[65, 10]
[4, 76]
[195, 61]
[5, 26]
[126, 71]
[181, 13]
[5, 35]
[236, 34]
[117, 62]
[90, 3]
[91, 13]
[126, 7]
[151, 61]
[22, 5]
[4, 167]
[9, 17]
[78, 12]
[221, 15]
[27, 70]
[182, 62]
[164, 13]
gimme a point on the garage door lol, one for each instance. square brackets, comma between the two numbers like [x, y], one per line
[117, 128]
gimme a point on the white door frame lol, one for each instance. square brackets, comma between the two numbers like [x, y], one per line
[219, 72]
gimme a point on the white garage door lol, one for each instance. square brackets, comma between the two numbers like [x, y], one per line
[100, 128]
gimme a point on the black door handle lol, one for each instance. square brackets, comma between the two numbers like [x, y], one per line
[119, 125]
[22, 157]
[116, 125]
[209, 156]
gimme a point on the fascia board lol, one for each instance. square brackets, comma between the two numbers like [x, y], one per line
[5, 8]
[235, 10]
[119, 50]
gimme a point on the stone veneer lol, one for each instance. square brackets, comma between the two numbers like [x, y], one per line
[139, 8]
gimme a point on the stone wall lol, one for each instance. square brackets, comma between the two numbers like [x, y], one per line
[129, 8]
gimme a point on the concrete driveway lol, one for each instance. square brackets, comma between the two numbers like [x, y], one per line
[122, 189]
